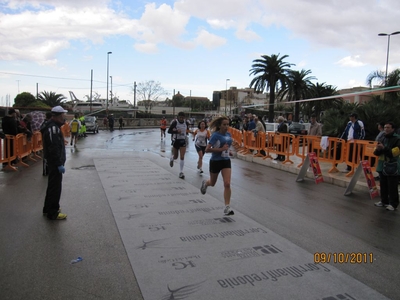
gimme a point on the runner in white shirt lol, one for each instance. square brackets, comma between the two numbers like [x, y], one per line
[201, 135]
[179, 129]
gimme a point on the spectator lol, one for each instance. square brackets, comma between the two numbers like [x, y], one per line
[10, 126]
[111, 122]
[388, 150]
[354, 131]
[53, 141]
[259, 125]
[315, 128]
[282, 128]
[381, 134]
[121, 123]
[245, 125]
[105, 122]
[379, 138]
[252, 123]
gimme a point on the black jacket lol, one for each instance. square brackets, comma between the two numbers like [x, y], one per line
[9, 125]
[53, 144]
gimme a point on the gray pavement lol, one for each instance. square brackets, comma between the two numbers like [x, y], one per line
[113, 231]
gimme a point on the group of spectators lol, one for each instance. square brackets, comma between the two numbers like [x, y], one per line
[14, 123]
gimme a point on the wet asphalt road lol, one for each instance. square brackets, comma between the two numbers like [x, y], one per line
[317, 218]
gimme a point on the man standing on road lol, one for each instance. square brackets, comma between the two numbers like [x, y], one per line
[53, 141]
[163, 127]
[315, 127]
[388, 150]
[354, 131]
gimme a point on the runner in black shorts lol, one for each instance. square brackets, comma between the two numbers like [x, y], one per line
[220, 161]
[179, 129]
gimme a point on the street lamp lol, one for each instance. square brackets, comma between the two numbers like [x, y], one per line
[108, 55]
[226, 93]
[387, 56]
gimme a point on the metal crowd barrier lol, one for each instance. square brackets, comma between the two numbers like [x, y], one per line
[17, 148]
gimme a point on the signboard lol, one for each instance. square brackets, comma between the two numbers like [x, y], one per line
[373, 190]
[314, 165]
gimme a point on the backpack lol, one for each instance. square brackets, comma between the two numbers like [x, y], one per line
[74, 126]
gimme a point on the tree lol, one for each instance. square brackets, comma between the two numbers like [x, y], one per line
[297, 88]
[178, 100]
[269, 71]
[51, 98]
[150, 90]
[320, 90]
[393, 79]
[24, 99]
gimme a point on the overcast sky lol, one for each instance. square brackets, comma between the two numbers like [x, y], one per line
[191, 46]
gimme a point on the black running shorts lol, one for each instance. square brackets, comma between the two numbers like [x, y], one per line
[217, 165]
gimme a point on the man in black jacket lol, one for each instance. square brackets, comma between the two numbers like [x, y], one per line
[53, 143]
[388, 151]
[10, 127]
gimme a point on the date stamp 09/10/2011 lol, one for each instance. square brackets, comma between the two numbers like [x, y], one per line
[343, 258]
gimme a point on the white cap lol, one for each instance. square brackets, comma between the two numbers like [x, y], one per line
[58, 109]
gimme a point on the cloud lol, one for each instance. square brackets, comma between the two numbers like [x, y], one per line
[209, 40]
[350, 61]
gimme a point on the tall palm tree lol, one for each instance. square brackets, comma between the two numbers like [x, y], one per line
[269, 71]
[51, 98]
[297, 88]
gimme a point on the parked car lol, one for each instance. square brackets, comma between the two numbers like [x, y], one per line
[91, 124]
[298, 129]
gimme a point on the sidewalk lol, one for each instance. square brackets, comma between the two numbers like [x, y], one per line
[336, 178]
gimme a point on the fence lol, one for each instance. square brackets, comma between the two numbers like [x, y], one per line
[328, 149]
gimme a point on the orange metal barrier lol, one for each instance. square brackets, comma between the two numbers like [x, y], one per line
[37, 143]
[334, 153]
[279, 143]
[358, 150]
[236, 137]
[247, 140]
[7, 146]
[24, 148]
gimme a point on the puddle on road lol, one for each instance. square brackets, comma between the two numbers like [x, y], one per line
[88, 167]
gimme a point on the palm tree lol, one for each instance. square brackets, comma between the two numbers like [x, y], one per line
[320, 90]
[269, 70]
[51, 98]
[297, 88]
[393, 79]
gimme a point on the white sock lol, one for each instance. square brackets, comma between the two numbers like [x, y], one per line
[181, 164]
[171, 158]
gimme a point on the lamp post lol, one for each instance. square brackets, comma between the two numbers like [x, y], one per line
[387, 56]
[226, 93]
[108, 55]
[111, 93]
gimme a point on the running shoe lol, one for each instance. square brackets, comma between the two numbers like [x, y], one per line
[391, 208]
[181, 175]
[380, 204]
[228, 211]
[171, 163]
[201, 171]
[203, 187]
